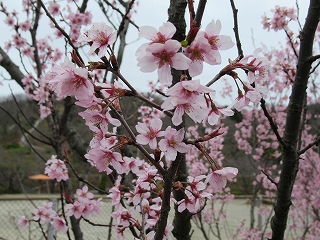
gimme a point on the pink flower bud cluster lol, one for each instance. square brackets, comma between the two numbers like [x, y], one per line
[56, 169]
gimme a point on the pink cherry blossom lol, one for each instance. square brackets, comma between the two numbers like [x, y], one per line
[44, 111]
[59, 224]
[84, 194]
[42, 214]
[75, 209]
[101, 158]
[189, 90]
[173, 143]
[54, 8]
[149, 132]
[101, 36]
[9, 21]
[216, 112]
[163, 57]
[186, 97]
[69, 80]
[257, 67]
[100, 118]
[164, 33]
[216, 41]
[115, 193]
[23, 221]
[193, 109]
[218, 178]
[199, 51]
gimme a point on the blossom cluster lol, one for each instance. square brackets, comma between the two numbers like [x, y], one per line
[45, 214]
[56, 169]
[187, 97]
[281, 17]
[84, 205]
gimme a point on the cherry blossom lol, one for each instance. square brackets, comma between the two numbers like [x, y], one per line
[56, 169]
[149, 133]
[162, 57]
[23, 221]
[54, 8]
[164, 33]
[59, 224]
[83, 193]
[199, 51]
[216, 112]
[71, 81]
[218, 178]
[100, 36]
[186, 97]
[173, 143]
[75, 209]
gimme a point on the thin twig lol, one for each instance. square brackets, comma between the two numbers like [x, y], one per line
[26, 118]
[236, 29]
[30, 145]
[270, 179]
[273, 125]
[25, 130]
[98, 224]
[81, 179]
[310, 145]
[122, 14]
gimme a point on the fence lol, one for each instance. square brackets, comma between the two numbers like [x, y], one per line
[14, 206]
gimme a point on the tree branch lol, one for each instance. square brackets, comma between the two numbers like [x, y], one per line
[236, 29]
[310, 145]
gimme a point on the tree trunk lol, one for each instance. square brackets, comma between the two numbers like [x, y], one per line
[290, 157]
[182, 221]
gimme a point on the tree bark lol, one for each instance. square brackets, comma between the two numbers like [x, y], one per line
[182, 221]
[290, 157]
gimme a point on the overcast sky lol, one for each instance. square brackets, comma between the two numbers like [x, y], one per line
[154, 12]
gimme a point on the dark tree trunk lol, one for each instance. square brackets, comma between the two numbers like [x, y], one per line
[290, 157]
[182, 221]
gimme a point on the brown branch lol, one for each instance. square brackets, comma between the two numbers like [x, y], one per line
[199, 14]
[125, 17]
[269, 178]
[63, 211]
[22, 128]
[236, 28]
[273, 125]
[83, 7]
[310, 145]
[11, 68]
[98, 224]
[122, 14]
[81, 179]
[291, 43]
[33, 32]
